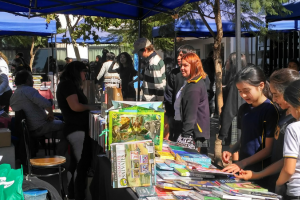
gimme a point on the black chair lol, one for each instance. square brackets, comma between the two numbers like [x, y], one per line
[43, 162]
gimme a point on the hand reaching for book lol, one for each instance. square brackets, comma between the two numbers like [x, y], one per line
[233, 168]
[226, 156]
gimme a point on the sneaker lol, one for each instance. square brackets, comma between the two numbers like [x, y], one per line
[187, 142]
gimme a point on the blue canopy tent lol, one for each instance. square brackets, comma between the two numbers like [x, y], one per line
[294, 7]
[129, 9]
[185, 28]
[11, 24]
[104, 37]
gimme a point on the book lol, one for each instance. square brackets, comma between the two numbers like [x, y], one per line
[163, 166]
[126, 125]
[183, 185]
[208, 189]
[263, 194]
[165, 155]
[167, 197]
[223, 181]
[185, 172]
[145, 191]
[171, 176]
[202, 183]
[198, 158]
[204, 170]
[205, 195]
[169, 186]
[247, 186]
[162, 192]
[227, 196]
[133, 164]
[175, 163]
[187, 195]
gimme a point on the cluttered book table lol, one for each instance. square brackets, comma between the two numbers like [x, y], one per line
[139, 164]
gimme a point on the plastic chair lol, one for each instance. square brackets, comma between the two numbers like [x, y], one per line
[43, 162]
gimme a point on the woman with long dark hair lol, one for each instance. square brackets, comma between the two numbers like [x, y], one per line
[126, 72]
[73, 104]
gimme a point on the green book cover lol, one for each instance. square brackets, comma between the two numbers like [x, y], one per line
[247, 186]
[131, 126]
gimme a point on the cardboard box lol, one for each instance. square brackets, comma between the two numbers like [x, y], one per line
[5, 137]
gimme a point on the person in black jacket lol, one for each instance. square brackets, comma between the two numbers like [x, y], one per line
[227, 133]
[191, 105]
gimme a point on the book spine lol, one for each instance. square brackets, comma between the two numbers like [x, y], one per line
[114, 167]
[121, 166]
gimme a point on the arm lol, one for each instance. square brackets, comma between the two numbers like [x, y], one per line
[227, 154]
[261, 155]
[4, 83]
[111, 70]
[287, 171]
[75, 105]
[169, 95]
[102, 72]
[270, 170]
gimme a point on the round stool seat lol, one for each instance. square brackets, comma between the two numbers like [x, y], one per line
[48, 161]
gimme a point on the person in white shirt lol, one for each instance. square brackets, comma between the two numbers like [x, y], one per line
[104, 70]
[290, 173]
[5, 90]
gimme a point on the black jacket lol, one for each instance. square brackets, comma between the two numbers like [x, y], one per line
[229, 110]
[174, 83]
[195, 109]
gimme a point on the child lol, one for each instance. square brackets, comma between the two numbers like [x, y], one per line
[291, 168]
[279, 81]
[257, 119]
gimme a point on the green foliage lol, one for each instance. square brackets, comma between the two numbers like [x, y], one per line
[24, 41]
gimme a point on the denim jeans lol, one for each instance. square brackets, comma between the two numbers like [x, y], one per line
[55, 127]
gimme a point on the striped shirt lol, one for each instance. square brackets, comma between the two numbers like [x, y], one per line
[154, 79]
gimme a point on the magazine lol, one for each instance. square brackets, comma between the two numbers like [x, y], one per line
[133, 164]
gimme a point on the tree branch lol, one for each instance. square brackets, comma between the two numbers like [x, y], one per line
[78, 19]
[205, 22]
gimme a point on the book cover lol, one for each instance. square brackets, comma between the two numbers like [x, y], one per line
[186, 195]
[162, 192]
[185, 172]
[227, 196]
[247, 186]
[263, 194]
[165, 155]
[205, 195]
[169, 186]
[163, 166]
[223, 181]
[204, 170]
[174, 163]
[145, 191]
[133, 164]
[167, 197]
[199, 188]
[171, 175]
[202, 183]
[135, 126]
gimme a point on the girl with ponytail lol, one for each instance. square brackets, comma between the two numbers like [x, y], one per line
[257, 119]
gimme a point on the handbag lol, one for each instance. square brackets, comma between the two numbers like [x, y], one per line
[113, 94]
[11, 181]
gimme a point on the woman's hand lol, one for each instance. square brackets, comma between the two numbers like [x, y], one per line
[234, 168]
[226, 156]
[246, 175]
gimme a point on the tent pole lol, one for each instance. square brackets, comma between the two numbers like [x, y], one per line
[139, 69]
[56, 74]
[238, 40]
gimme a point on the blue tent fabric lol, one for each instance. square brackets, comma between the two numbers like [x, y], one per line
[104, 37]
[184, 28]
[125, 9]
[11, 24]
[294, 7]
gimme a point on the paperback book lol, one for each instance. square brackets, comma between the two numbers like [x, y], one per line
[169, 186]
[171, 175]
[163, 166]
[247, 186]
[185, 172]
[133, 164]
[202, 183]
[175, 163]
[146, 191]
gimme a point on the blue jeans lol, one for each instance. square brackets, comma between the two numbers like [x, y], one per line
[55, 127]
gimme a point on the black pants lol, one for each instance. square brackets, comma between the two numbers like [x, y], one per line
[175, 129]
[4, 100]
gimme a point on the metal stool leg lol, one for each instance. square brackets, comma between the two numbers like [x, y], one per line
[61, 185]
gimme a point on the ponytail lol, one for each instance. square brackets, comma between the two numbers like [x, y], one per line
[254, 76]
